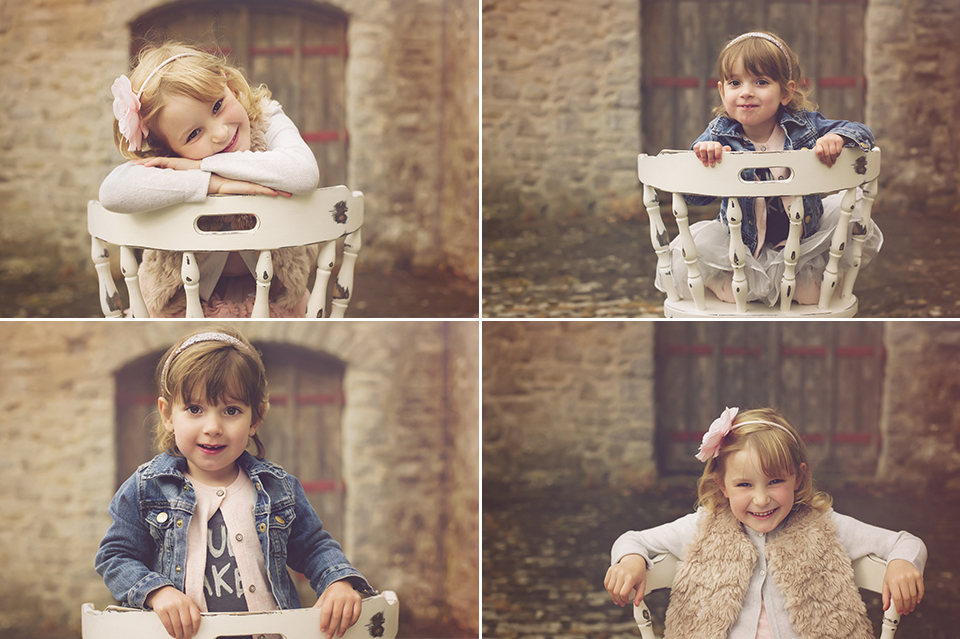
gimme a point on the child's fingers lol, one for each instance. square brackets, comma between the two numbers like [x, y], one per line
[336, 614]
[886, 596]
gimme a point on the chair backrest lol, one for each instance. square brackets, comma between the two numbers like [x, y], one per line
[680, 172]
[378, 618]
[867, 574]
[320, 217]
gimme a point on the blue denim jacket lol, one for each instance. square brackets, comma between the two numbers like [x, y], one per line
[801, 131]
[146, 546]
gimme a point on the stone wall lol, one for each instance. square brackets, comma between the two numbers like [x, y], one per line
[561, 107]
[410, 427]
[912, 62]
[920, 421]
[568, 403]
[60, 59]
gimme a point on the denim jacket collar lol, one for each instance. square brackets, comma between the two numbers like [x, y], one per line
[168, 465]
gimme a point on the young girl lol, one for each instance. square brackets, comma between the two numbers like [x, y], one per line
[205, 494]
[764, 108]
[191, 125]
[765, 555]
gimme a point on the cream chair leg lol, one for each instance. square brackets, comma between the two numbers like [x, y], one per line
[190, 273]
[325, 262]
[860, 232]
[343, 287]
[131, 269]
[891, 620]
[261, 305]
[660, 241]
[109, 297]
[738, 254]
[788, 286]
[641, 614]
[694, 280]
[837, 246]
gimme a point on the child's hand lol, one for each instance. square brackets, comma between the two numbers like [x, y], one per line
[903, 585]
[178, 614]
[623, 577]
[225, 186]
[178, 164]
[339, 608]
[709, 152]
[828, 148]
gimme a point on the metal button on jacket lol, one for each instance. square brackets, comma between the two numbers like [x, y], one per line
[162, 517]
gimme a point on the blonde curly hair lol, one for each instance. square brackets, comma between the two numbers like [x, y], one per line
[202, 76]
[781, 453]
[762, 57]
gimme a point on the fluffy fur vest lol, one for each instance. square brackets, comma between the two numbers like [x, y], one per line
[160, 278]
[806, 560]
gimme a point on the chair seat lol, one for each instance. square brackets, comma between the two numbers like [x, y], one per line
[837, 307]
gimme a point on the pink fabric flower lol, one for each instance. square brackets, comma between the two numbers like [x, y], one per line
[710, 447]
[126, 108]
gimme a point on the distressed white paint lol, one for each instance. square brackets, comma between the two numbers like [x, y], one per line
[321, 217]
[681, 172]
[300, 623]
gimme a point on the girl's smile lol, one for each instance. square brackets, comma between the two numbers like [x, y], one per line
[756, 500]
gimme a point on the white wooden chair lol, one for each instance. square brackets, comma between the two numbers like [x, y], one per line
[323, 216]
[377, 619]
[681, 172]
[867, 573]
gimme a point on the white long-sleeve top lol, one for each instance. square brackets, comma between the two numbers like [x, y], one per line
[288, 164]
[859, 539]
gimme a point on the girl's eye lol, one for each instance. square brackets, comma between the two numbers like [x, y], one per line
[194, 410]
[217, 105]
[233, 411]
[743, 484]
[776, 481]
[193, 134]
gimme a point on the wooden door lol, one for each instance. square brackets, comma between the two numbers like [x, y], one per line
[298, 51]
[301, 432]
[826, 378]
[681, 40]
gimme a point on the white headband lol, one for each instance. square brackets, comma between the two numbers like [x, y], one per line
[190, 341]
[769, 38]
[713, 438]
[165, 63]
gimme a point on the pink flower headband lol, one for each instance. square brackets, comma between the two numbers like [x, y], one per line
[769, 38]
[126, 105]
[190, 341]
[710, 447]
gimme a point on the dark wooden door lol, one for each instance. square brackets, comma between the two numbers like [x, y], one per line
[301, 432]
[299, 51]
[826, 378]
[681, 40]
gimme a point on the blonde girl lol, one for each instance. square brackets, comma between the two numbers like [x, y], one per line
[765, 107]
[204, 491]
[765, 555]
[191, 125]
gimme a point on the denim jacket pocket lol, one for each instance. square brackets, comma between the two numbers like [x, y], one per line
[279, 522]
[162, 525]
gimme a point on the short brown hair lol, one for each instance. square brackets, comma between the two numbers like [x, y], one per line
[214, 370]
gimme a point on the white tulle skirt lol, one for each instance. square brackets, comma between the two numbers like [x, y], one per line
[763, 273]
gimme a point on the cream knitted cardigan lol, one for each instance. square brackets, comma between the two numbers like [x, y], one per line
[807, 561]
[160, 272]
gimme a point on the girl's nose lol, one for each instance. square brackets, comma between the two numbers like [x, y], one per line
[221, 134]
[212, 426]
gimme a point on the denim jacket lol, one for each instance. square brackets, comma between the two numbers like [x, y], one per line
[801, 131]
[146, 546]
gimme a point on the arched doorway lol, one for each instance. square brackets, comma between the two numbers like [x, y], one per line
[301, 432]
[299, 50]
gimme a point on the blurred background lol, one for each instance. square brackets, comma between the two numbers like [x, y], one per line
[572, 92]
[589, 430]
[378, 420]
[385, 92]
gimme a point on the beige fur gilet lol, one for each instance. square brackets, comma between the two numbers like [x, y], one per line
[805, 558]
[160, 278]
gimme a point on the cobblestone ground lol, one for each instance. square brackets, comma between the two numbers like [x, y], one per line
[605, 268]
[545, 555]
